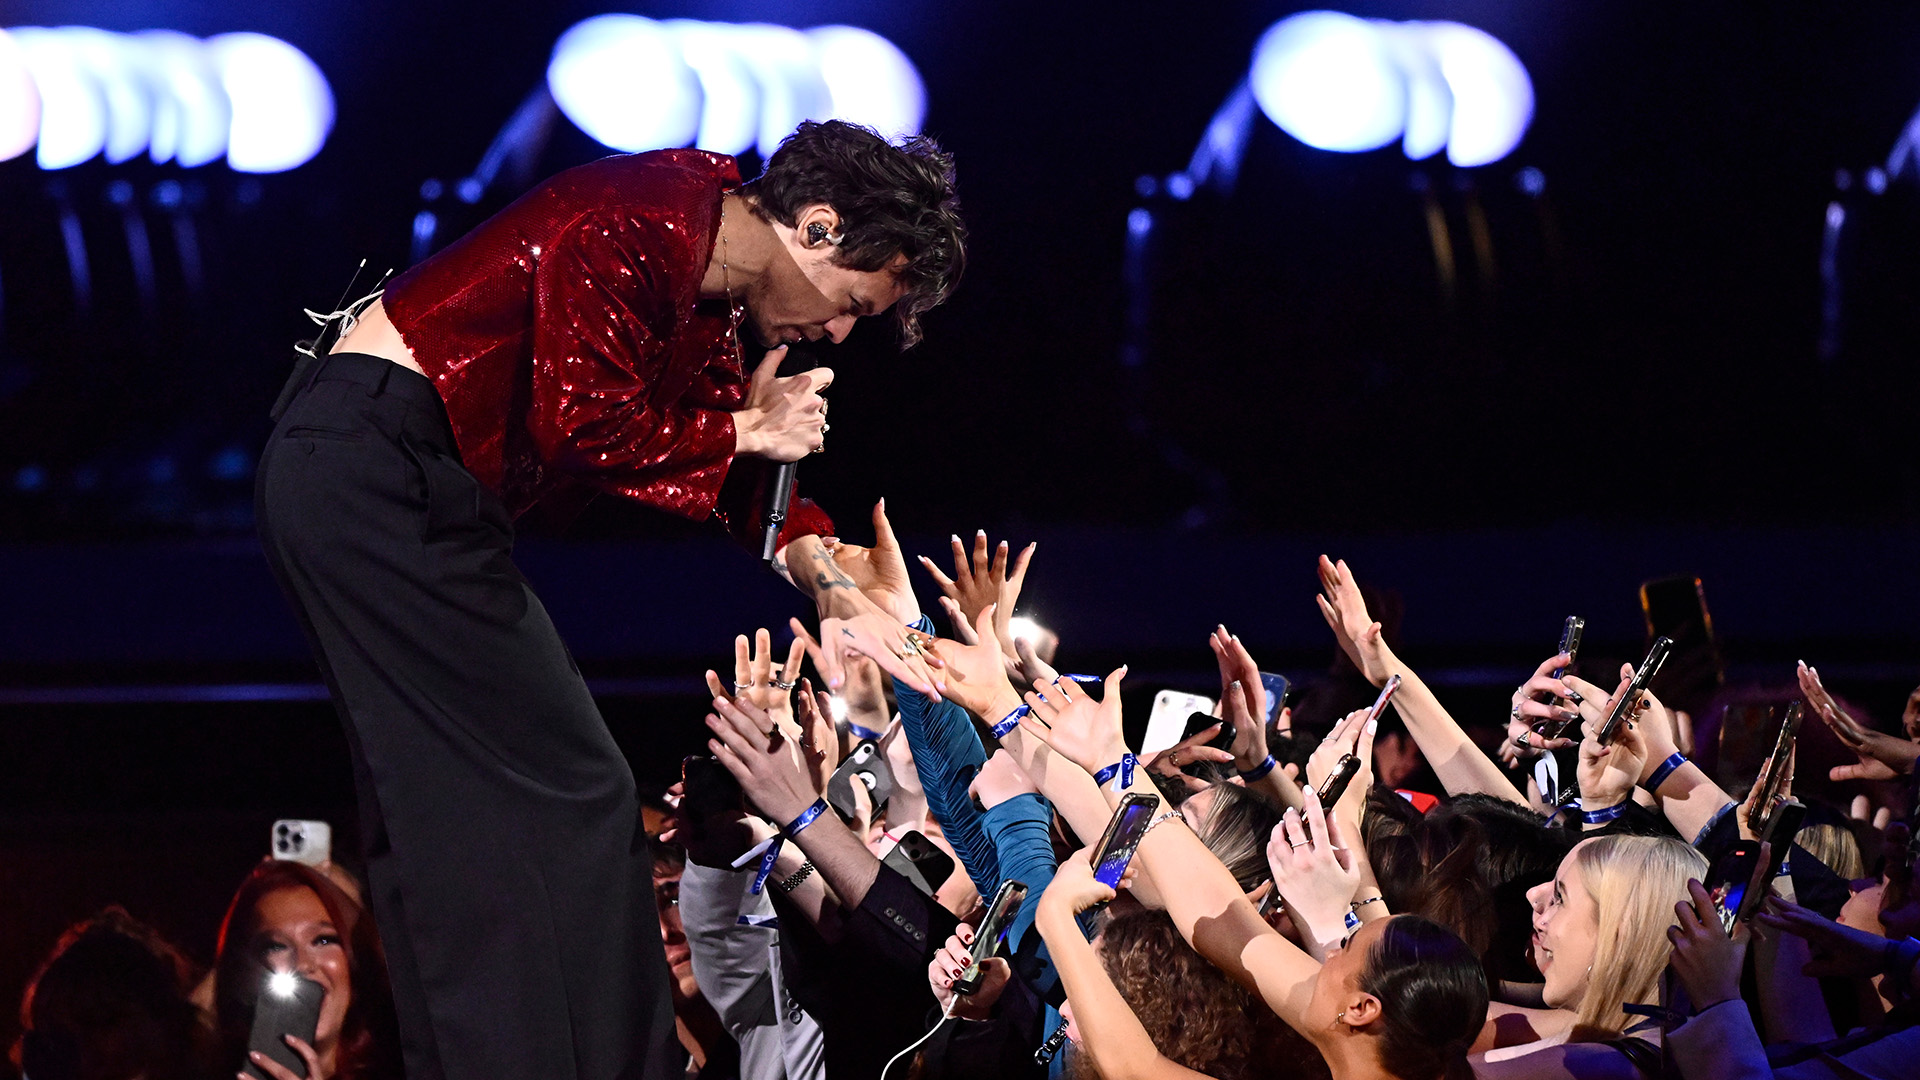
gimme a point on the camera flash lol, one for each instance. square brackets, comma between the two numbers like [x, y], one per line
[837, 708]
[1025, 629]
[283, 983]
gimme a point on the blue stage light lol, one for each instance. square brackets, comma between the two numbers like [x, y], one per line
[192, 118]
[1329, 80]
[622, 80]
[282, 106]
[1337, 82]
[726, 87]
[19, 101]
[73, 114]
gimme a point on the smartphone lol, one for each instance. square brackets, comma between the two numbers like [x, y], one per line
[1337, 781]
[287, 1005]
[1386, 695]
[708, 788]
[1277, 689]
[866, 766]
[1768, 784]
[1124, 832]
[1734, 873]
[1199, 722]
[1642, 675]
[993, 928]
[917, 859]
[1570, 636]
[309, 842]
[1169, 717]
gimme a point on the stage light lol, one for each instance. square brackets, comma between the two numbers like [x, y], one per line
[192, 117]
[730, 95]
[634, 84]
[115, 66]
[1492, 95]
[282, 106]
[1337, 82]
[1328, 80]
[73, 114]
[19, 101]
[620, 78]
[869, 80]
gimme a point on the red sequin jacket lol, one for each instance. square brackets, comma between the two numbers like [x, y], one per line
[563, 337]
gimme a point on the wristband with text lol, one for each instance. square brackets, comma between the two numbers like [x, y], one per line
[1259, 772]
[1603, 815]
[806, 818]
[1122, 768]
[1666, 769]
[767, 859]
[1007, 723]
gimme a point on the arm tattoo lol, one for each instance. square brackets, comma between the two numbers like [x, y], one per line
[832, 577]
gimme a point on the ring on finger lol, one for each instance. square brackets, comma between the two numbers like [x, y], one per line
[744, 685]
[779, 684]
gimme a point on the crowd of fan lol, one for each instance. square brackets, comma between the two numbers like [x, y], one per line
[1485, 928]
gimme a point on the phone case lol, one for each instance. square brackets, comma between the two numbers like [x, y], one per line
[1124, 832]
[1170, 711]
[868, 766]
[309, 842]
[917, 859]
[292, 1010]
[986, 943]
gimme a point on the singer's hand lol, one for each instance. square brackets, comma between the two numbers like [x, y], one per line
[785, 419]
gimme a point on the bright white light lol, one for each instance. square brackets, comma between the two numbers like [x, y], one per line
[1328, 80]
[791, 86]
[621, 80]
[1336, 82]
[837, 708]
[19, 101]
[283, 983]
[1492, 96]
[192, 117]
[1025, 629]
[869, 80]
[730, 95]
[282, 106]
[73, 114]
[114, 63]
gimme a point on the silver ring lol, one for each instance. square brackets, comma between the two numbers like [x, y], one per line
[744, 685]
[778, 685]
[1301, 844]
[825, 427]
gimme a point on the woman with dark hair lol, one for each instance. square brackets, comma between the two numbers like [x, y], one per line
[287, 916]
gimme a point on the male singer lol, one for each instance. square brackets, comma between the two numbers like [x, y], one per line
[583, 340]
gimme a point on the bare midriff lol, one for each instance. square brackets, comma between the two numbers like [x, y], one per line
[374, 335]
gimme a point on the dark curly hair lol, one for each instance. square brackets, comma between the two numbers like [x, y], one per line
[369, 1039]
[892, 201]
[1194, 1013]
[1433, 999]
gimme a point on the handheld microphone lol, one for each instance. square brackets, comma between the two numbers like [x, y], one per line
[774, 513]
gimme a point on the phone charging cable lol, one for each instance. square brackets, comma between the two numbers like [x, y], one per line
[945, 1016]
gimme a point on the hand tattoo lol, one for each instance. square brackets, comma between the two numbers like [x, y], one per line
[832, 577]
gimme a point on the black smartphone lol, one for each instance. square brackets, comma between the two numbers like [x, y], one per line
[1124, 832]
[1768, 784]
[708, 788]
[1733, 874]
[866, 766]
[993, 928]
[287, 1005]
[1570, 641]
[1642, 675]
[1198, 722]
[917, 859]
[1343, 773]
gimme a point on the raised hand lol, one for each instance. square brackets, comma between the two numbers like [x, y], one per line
[1243, 698]
[1608, 773]
[987, 579]
[1354, 735]
[1172, 761]
[1346, 613]
[1074, 725]
[716, 840]
[1314, 871]
[1074, 889]
[975, 668]
[1705, 957]
[1837, 950]
[950, 961]
[852, 623]
[756, 680]
[1532, 721]
[761, 758]
[880, 571]
[1882, 756]
[819, 738]
[784, 419]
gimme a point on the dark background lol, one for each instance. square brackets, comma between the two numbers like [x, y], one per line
[1634, 385]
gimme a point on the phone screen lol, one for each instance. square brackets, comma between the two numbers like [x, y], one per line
[1124, 830]
[1276, 687]
[993, 929]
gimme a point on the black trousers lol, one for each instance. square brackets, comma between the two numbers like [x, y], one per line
[508, 870]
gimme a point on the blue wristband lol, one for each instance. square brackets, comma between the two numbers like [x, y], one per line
[1665, 770]
[1601, 817]
[806, 818]
[1080, 678]
[767, 859]
[1122, 768]
[1007, 723]
[864, 734]
[1259, 772]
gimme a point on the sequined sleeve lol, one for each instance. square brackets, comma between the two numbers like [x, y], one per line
[606, 406]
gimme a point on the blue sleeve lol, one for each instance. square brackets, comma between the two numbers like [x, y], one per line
[1021, 831]
[947, 753]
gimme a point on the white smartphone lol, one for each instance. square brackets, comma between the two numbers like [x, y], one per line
[309, 842]
[1168, 721]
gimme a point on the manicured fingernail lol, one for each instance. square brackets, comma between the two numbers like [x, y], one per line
[1308, 789]
[1373, 726]
[956, 538]
[979, 532]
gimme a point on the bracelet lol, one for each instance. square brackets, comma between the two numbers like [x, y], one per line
[864, 734]
[1259, 772]
[1666, 769]
[799, 878]
[767, 859]
[806, 818]
[1358, 904]
[1122, 768]
[1605, 814]
[1158, 820]
[1005, 725]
